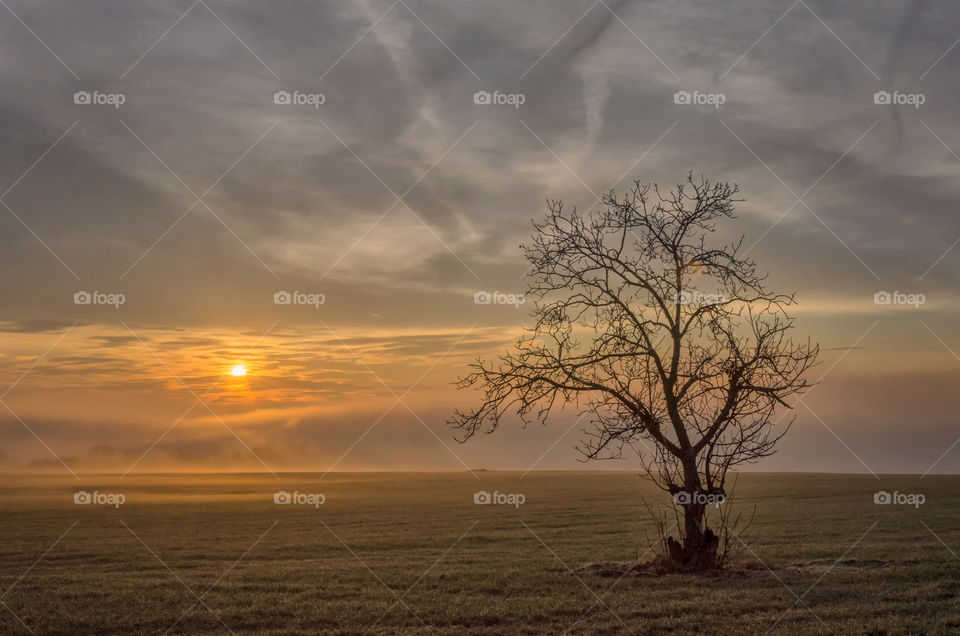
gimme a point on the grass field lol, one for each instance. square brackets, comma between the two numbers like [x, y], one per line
[412, 553]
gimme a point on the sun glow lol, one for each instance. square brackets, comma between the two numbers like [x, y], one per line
[238, 370]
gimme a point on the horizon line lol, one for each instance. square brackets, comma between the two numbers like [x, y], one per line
[38, 473]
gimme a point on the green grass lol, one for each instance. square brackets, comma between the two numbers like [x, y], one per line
[460, 568]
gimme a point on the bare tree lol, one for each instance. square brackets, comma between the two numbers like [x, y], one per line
[674, 347]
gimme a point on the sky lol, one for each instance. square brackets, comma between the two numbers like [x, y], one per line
[182, 163]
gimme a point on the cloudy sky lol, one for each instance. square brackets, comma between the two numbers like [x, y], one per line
[145, 154]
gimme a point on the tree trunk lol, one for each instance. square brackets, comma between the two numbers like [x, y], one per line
[700, 545]
[698, 552]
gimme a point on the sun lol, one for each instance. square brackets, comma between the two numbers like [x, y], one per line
[238, 370]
